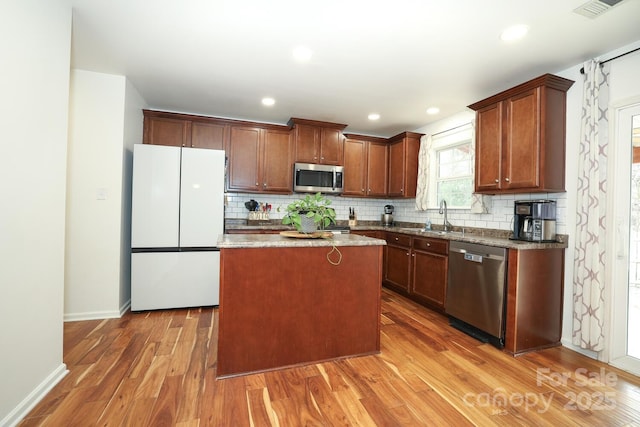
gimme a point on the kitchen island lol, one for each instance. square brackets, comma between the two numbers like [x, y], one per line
[288, 301]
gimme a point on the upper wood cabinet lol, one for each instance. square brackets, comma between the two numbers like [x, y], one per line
[403, 164]
[260, 160]
[366, 166]
[160, 129]
[317, 142]
[184, 130]
[520, 138]
[209, 135]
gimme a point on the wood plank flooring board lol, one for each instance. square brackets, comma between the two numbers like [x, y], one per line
[259, 415]
[159, 368]
[165, 408]
[326, 402]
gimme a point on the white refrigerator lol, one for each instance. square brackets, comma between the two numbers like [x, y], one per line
[177, 216]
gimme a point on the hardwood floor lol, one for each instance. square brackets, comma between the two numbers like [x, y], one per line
[158, 369]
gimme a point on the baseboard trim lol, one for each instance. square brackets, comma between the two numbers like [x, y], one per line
[92, 315]
[29, 402]
[568, 344]
[125, 307]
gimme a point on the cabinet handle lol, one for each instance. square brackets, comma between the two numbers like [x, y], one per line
[506, 179]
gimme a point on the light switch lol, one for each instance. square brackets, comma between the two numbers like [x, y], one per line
[101, 194]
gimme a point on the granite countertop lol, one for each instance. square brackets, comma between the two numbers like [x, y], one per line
[233, 241]
[483, 236]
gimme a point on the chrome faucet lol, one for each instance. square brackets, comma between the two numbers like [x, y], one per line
[443, 209]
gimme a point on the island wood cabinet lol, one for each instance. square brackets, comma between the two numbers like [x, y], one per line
[317, 142]
[403, 164]
[520, 138]
[417, 267]
[365, 166]
[182, 130]
[259, 160]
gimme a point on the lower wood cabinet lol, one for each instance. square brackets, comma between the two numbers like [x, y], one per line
[430, 259]
[535, 288]
[397, 261]
[417, 268]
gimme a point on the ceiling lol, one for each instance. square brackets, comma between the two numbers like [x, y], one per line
[221, 57]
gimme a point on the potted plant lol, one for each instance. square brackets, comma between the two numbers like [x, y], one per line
[309, 213]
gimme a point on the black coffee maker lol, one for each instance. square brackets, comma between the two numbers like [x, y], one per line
[534, 220]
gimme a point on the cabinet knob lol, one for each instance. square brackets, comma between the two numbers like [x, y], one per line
[257, 183]
[506, 179]
[497, 180]
[407, 253]
[321, 158]
[413, 255]
[363, 190]
[396, 239]
[264, 185]
[428, 244]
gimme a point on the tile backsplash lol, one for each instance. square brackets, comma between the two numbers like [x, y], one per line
[500, 216]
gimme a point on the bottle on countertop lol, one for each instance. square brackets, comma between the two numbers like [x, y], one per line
[427, 224]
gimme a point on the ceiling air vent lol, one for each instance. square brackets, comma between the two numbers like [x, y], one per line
[596, 8]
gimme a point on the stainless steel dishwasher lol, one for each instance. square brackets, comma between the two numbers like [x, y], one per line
[476, 290]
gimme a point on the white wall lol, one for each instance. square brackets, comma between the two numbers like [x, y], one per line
[35, 39]
[133, 128]
[103, 126]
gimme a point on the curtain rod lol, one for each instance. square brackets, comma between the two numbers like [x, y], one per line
[615, 57]
[453, 128]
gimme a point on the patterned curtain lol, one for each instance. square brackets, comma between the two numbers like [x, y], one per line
[422, 198]
[589, 270]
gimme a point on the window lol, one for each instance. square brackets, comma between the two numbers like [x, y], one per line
[451, 168]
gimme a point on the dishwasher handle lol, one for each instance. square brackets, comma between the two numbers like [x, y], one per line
[475, 257]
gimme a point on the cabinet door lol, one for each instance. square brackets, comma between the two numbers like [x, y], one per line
[397, 267]
[396, 169]
[208, 135]
[377, 169]
[331, 143]
[429, 278]
[307, 142]
[243, 156]
[277, 168]
[488, 148]
[522, 141]
[354, 167]
[164, 131]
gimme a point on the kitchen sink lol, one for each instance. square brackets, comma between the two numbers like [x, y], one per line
[432, 232]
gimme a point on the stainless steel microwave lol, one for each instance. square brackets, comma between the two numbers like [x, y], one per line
[312, 178]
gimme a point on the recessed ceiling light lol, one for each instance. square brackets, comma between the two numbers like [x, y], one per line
[268, 101]
[373, 116]
[302, 54]
[433, 110]
[514, 33]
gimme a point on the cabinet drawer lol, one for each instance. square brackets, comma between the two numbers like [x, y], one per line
[398, 239]
[438, 246]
